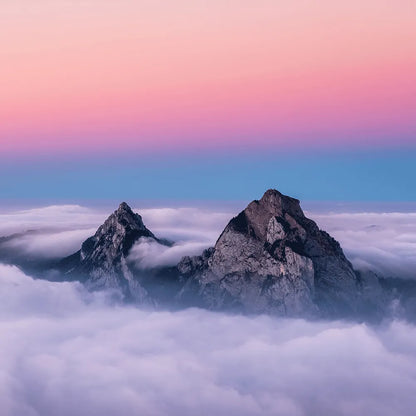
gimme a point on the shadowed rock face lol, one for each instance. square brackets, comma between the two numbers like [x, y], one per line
[271, 258]
[101, 262]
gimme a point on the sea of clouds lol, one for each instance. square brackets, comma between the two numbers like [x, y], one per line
[384, 242]
[65, 351]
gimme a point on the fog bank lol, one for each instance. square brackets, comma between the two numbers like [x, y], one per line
[66, 352]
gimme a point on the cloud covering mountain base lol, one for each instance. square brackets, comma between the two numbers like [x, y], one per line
[384, 242]
[65, 352]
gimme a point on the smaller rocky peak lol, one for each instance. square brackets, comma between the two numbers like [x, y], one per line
[125, 214]
[116, 236]
[124, 207]
[123, 219]
[102, 261]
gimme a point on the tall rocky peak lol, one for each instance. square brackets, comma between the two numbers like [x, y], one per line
[271, 258]
[277, 219]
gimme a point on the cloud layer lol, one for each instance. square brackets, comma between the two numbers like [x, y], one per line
[383, 242]
[147, 253]
[55, 217]
[64, 351]
[48, 232]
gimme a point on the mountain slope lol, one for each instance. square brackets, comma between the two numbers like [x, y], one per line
[271, 258]
[101, 261]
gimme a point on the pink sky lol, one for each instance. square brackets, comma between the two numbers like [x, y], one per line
[154, 74]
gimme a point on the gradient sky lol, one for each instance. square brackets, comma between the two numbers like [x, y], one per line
[199, 83]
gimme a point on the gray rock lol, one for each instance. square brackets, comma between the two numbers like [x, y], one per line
[271, 258]
[101, 261]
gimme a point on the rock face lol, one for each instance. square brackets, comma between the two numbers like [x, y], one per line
[271, 258]
[101, 261]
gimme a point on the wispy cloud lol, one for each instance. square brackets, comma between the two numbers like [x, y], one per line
[56, 217]
[147, 253]
[383, 242]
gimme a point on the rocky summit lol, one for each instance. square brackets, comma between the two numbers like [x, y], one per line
[271, 258]
[101, 261]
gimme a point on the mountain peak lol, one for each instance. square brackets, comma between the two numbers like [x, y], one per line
[278, 204]
[122, 228]
[255, 219]
[102, 258]
[124, 206]
[273, 195]
[270, 257]
[122, 218]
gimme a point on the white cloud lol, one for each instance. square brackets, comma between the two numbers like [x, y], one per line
[383, 242]
[49, 244]
[186, 223]
[147, 253]
[192, 230]
[48, 232]
[20, 295]
[66, 352]
[57, 217]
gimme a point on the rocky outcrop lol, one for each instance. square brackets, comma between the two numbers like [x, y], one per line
[271, 258]
[101, 261]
